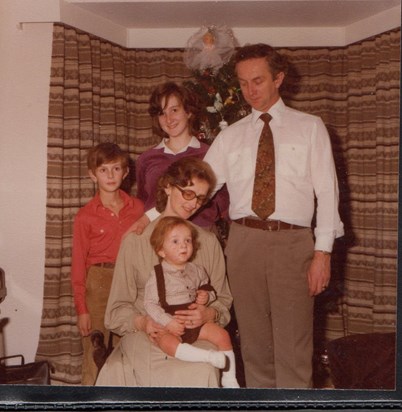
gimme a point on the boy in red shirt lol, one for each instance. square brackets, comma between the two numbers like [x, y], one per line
[98, 229]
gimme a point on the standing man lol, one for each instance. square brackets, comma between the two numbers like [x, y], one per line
[275, 263]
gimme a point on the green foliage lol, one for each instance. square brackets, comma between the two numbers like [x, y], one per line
[220, 98]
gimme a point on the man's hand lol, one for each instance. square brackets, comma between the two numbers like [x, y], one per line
[84, 324]
[319, 273]
[138, 226]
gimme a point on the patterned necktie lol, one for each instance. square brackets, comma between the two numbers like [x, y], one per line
[263, 203]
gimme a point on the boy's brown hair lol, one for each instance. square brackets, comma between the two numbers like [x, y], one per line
[106, 153]
[165, 225]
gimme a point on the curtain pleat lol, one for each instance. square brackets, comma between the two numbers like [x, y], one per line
[99, 92]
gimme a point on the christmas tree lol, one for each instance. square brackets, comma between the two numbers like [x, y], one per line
[220, 97]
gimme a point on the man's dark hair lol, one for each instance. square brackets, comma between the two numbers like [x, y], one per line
[276, 62]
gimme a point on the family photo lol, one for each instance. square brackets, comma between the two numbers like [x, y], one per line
[200, 195]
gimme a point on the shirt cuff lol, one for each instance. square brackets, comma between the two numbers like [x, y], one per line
[324, 243]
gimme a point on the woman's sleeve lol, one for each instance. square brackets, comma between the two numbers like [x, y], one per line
[216, 269]
[121, 310]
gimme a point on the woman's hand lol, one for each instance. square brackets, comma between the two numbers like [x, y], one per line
[84, 324]
[196, 315]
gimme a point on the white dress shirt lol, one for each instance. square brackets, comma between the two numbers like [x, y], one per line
[304, 170]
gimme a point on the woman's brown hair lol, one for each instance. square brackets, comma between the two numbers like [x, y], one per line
[186, 97]
[181, 173]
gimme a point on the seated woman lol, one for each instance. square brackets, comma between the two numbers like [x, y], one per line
[137, 361]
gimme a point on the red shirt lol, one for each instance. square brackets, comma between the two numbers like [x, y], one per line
[96, 239]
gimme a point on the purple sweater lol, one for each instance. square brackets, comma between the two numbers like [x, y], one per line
[151, 164]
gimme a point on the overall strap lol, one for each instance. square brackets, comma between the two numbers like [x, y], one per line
[160, 283]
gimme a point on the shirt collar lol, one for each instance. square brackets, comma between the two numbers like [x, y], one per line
[194, 142]
[168, 268]
[275, 111]
[127, 199]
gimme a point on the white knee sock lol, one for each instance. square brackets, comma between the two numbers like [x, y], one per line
[191, 353]
[229, 373]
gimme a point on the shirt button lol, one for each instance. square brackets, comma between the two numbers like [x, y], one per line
[102, 231]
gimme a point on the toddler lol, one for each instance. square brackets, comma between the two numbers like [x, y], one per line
[173, 285]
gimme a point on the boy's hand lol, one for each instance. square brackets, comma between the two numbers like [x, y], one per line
[84, 324]
[175, 327]
[138, 226]
[202, 297]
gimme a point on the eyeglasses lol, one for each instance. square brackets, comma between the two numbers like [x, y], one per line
[190, 195]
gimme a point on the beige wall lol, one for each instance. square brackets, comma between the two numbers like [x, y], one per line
[24, 84]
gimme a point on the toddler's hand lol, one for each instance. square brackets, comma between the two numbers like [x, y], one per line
[151, 328]
[202, 297]
[175, 327]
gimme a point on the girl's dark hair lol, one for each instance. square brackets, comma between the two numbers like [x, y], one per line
[181, 173]
[187, 98]
[106, 153]
[276, 62]
[165, 225]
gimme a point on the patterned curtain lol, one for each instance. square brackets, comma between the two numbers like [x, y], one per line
[99, 92]
[356, 91]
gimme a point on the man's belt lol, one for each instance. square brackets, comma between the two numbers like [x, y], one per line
[106, 265]
[271, 225]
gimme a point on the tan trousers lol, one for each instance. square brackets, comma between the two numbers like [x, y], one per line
[98, 285]
[267, 274]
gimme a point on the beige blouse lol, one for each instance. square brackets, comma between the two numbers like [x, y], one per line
[135, 262]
